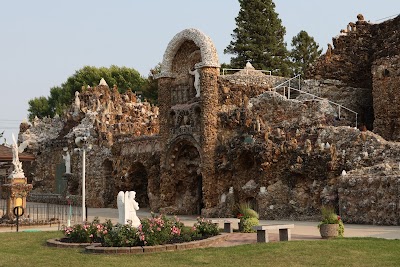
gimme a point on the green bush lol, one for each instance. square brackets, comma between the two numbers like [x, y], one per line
[248, 218]
[246, 224]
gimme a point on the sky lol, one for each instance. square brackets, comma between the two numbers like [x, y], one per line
[43, 42]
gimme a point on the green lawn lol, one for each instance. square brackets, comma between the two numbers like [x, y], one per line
[29, 249]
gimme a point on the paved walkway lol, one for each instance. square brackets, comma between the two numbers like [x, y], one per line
[302, 230]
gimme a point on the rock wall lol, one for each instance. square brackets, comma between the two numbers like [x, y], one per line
[386, 81]
[239, 141]
[104, 116]
[371, 195]
[357, 99]
[366, 56]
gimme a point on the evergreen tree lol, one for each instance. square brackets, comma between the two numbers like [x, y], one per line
[259, 38]
[304, 52]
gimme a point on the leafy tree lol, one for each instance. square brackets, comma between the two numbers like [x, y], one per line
[62, 96]
[259, 38]
[305, 51]
[39, 106]
[150, 89]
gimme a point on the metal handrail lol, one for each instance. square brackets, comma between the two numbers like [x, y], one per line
[247, 71]
[312, 95]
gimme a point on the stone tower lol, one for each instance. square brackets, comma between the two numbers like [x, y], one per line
[188, 97]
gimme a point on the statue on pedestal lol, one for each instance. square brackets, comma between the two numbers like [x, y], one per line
[17, 172]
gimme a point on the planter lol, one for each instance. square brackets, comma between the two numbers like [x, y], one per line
[329, 230]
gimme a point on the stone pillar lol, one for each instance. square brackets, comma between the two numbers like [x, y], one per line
[209, 100]
[16, 191]
[164, 96]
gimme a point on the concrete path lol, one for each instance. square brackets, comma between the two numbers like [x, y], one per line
[302, 230]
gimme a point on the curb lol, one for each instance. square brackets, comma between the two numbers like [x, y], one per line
[95, 248]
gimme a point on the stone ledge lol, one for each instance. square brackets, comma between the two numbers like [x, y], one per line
[55, 242]
[161, 248]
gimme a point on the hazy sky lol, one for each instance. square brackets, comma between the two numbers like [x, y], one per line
[43, 42]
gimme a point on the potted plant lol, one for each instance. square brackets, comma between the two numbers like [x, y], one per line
[248, 218]
[331, 224]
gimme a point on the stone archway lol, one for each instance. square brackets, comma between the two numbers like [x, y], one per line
[138, 182]
[109, 193]
[186, 176]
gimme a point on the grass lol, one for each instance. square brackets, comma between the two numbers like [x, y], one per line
[29, 249]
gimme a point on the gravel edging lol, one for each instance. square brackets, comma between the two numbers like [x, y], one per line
[94, 248]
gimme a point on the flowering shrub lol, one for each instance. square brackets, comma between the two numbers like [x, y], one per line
[88, 232]
[156, 230]
[204, 228]
[330, 217]
[121, 236]
[159, 230]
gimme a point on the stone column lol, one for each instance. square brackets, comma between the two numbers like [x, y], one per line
[209, 103]
[164, 96]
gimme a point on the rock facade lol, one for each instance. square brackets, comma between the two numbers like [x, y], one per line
[241, 140]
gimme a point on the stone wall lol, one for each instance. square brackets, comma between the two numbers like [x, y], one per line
[386, 83]
[371, 195]
[363, 57]
[105, 116]
[356, 99]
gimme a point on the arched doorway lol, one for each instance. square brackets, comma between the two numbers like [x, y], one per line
[109, 185]
[186, 175]
[137, 181]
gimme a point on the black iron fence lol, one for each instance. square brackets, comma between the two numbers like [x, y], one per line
[47, 213]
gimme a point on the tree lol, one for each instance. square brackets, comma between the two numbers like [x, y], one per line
[259, 38]
[150, 88]
[39, 106]
[62, 96]
[304, 52]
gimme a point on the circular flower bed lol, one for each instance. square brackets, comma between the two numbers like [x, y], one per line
[155, 231]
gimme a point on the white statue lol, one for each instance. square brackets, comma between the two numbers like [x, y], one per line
[133, 207]
[67, 158]
[77, 103]
[17, 172]
[196, 74]
[127, 207]
[121, 207]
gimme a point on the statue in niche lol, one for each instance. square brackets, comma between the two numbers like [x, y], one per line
[67, 158]
[127, 207]
[196, 84]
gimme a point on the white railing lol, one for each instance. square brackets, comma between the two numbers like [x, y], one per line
[268, 72]
[287, 90]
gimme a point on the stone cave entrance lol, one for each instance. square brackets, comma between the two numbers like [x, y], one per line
[137, 181]
[187, 178]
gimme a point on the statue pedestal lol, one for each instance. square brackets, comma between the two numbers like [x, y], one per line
[15, 191]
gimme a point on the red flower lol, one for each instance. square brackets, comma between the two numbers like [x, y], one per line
[338, 217]
[240, 215]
